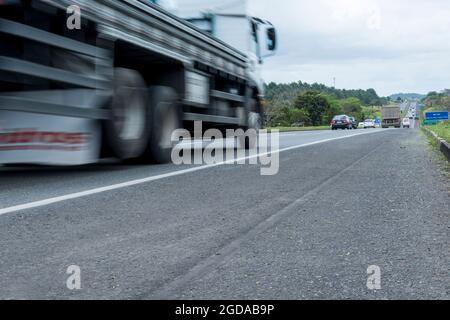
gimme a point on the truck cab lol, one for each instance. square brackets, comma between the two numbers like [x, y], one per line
[230, 22]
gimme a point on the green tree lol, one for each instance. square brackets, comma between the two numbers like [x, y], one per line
[314, 104]
[352, 107]
[370, 113]
[334, 109]
[299, 116]
[279, 116]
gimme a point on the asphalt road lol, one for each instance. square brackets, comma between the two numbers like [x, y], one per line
[341, 202]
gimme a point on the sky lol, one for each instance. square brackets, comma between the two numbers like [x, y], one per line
[390, 45]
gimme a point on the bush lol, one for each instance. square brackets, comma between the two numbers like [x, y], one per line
[314, 104]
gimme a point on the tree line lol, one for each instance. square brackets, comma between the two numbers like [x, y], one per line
[302, 104]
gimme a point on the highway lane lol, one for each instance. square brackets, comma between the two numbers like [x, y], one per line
[227, 232]
[23, 184]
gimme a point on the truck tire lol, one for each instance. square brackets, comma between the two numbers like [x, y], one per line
[254, 121]
[165, 117]
[127, 132]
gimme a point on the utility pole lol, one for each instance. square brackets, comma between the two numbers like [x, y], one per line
[334, 82]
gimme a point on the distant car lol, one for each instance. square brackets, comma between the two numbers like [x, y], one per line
[341, 122]
[406, 123]
[361, 125]
[369, 123]
[354, 123]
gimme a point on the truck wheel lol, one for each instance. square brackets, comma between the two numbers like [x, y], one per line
[126, 133]
[254, 121]
[166, 118]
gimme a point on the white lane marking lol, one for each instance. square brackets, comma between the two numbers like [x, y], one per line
[304, 133]
[46, 202]
[199, 143]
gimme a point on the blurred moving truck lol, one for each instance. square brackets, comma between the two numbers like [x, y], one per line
[390, 116]
[86, 79]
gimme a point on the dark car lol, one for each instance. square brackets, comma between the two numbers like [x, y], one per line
[341, 122]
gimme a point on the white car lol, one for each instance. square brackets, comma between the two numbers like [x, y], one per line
[361, 125]
[406, 123]
[369, 123]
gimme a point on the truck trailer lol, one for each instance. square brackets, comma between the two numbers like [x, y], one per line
[391, 117]
[119, 82]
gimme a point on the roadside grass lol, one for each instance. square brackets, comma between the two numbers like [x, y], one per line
[442, 130]
[441, 160]
[296, 129]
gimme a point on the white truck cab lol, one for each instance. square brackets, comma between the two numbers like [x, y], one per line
[230, 22]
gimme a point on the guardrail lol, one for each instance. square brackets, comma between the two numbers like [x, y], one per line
[444, 146]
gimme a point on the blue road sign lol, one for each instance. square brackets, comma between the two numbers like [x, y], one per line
[443, 115]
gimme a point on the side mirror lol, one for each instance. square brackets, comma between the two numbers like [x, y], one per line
[267, 38]
[271, 39]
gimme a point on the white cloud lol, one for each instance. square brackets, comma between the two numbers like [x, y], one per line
[390, 45]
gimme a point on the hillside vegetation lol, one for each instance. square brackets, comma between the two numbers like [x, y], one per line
[437, 101]
[302, 104]
[406, 96]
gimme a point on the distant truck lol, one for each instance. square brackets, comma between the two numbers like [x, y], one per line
[390, 117]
